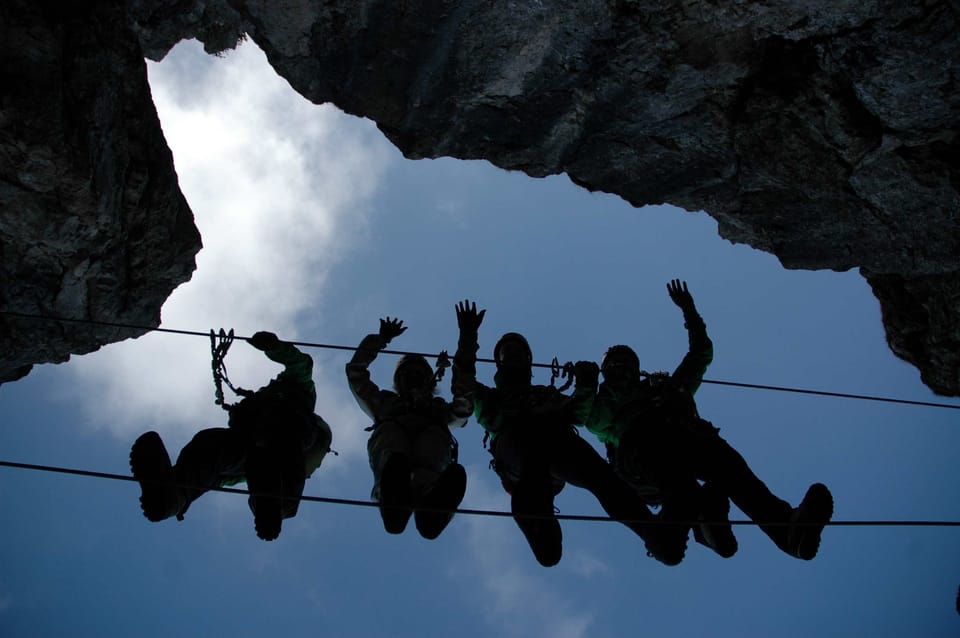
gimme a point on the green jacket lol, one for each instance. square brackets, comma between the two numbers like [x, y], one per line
[288, 400]
[657, 397]
[517, 403]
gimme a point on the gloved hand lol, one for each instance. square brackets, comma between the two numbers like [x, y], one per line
[680, 295]
[468, 319]
[586, 372]
[264, 340]
[390, 328]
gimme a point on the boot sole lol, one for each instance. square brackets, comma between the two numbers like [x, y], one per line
[815, 510]
[445, 495]
[150, 465]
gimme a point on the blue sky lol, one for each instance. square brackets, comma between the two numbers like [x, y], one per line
[315, 227]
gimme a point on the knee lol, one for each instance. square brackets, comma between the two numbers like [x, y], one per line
[211, 437]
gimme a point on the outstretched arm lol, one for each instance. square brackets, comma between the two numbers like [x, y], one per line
[364, 390]
[700, 353]
[470, 393]
[464, 381]
[297, 365]
[465, 359]
[586, 374]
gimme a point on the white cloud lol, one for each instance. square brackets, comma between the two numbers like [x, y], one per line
[585, 564]
[523, 601]
[279, 188]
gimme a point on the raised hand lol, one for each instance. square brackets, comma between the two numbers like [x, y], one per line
[680, 295]
[586, 372]
[390, 328]
[264, 340]
[468, 318]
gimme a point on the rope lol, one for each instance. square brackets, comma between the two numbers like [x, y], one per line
[843, 395]
[491, 513]
[328, 346]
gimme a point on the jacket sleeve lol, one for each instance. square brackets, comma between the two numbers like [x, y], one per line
[297, 370]
[469, 395]
[581, 401]
[463, 382]
[601, 420]
[457, 416]
[486, 408]
[318, 449]
[699, 355]
[364, 390]
[460, 407]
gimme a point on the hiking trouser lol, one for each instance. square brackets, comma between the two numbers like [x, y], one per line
[429, 450]
[222, 456]
[672, 456]
[524, 471]
[551, 457]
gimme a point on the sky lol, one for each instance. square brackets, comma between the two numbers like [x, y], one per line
[315, 227]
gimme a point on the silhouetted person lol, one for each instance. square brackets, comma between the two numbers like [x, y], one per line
[658, 441]
[535, 446]
[274, 442]
[412, 452]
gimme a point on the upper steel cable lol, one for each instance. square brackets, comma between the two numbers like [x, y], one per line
[328, 346]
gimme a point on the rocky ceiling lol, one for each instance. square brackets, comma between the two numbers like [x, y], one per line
[824, 132]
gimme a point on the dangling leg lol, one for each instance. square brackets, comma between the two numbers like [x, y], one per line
[293, 475]
[440, 482]
[264, 478]
[715, 530]
[676, 488]
[212, 458]
[532, 507]
[390, 459]
[667, 456]
[794, 530]
[523, 467]
[575, 461]
[276, 476]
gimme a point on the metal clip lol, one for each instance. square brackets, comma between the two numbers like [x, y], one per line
[554, 371]
[568, 375]
[443, 362]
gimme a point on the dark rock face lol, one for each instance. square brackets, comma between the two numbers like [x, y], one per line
[92, 221]
[920, 314]
[822, 132]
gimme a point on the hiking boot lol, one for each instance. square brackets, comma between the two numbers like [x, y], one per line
[807, 522]
[543, 534]
[534, 515]
[267, 516]
[266, 489]
[666, 538]
[445, 495]
[666, 543]
[714, 529]
[160, 498]
[395, 497]
[544, 537]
